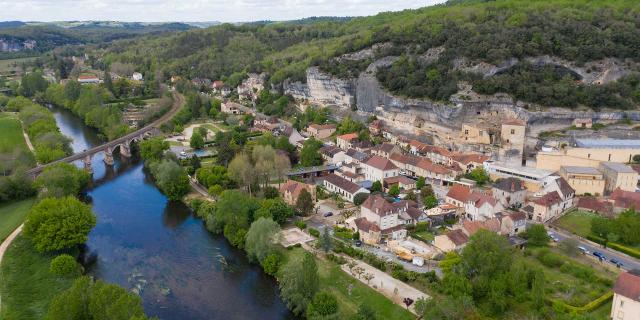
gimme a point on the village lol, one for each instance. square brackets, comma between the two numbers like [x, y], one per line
[411, 203]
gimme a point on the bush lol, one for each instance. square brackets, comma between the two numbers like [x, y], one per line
[64, 265]
[314, 232]
[344, 233]
[271, 264]
[561, 306]
[550, 259]
[359, 198]
[301, 224]
[400, 275]
[337, 259]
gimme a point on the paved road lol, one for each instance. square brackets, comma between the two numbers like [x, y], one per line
[627, 261]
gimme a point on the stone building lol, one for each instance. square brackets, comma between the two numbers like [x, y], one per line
[512, 136]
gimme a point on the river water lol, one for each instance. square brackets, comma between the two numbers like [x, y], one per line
[150, 245]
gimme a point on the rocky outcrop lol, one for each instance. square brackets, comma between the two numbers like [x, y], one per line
[323, 88]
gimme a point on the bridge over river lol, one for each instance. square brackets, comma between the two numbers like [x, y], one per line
[122, 143]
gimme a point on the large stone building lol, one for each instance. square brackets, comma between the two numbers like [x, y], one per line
[589, 153]
[512, 138]
[475, 133]
[378, 168]
[584, 180]
[510, 192]
[619, 176]
[384, 218]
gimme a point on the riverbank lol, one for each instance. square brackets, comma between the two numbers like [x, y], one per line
[12, 215]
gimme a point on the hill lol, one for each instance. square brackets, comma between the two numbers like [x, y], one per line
[562, 53]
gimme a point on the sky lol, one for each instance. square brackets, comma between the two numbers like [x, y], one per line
[196, 10]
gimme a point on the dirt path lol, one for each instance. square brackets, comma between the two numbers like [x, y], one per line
[5, 245]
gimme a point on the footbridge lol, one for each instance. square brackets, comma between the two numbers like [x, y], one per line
[122, 143]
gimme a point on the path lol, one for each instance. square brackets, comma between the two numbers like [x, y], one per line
[199, 188]
[5, 245]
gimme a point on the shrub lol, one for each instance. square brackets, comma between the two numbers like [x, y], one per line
[271, 264]
[314, 232]
[337, 259]
[64, 265]
[301, 224]
[400, 275]
[550, 259]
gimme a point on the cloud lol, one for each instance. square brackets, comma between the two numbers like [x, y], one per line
[196, 10]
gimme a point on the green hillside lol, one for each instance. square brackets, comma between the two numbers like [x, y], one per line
[577, 31]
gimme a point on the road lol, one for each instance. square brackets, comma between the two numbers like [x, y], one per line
[628, 262]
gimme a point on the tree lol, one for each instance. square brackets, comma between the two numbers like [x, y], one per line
[420, 183]
[365, 312]
[479, 175]
[430, 202]
[56, 224]
[360, 198]
[325, 240]
[271, 264]
[108, 83]
[309, 155]
[196, 141]
[62, 179]
[304, 203]
[376, 186]
[171, 179]
[270, 192]
[299, 283]
[537, 235]
[64, 265]
[153, 149]
[394, 191]
[95, 300]
[323, 306]
[570, 246]
[241, 170]
[275, 209]
[261, 239]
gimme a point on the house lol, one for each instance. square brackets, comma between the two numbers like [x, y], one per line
[452, 241]
[388, 217]
[345, 188]
[332, 154]
[406, 162]
[402, 182]
[513, 223]
[481, 206]
[475, 133]
[458, 195]
[584, 123]
[351, 172]
[510, 192]
[88, 79]
[547, 207]
[625, 200]
[291, 190]
[618, 176]
[589, 153]
[626, 296]
[369, 232]
[534, 179]
[376, 127]
[472, 227]
[513, 138]
[438, 215]
[414, 214]
[595, 205]
[584, 180]
[225, 91]
[385, 150]
[566, 192]
[136, 76]
[355, 156]
[362, 146]
[437, 155]
[378, 168]
[346, 141]
[468, 162]
[434, 173]
[321, 131]
[232, 108]
[217, 85]
[267, 124]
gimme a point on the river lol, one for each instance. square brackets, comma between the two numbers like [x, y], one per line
[150, 245]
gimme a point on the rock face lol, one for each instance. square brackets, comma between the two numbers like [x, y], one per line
[408, 114]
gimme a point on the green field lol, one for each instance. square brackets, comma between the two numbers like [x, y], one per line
[7, 65]
[11, 137]
[578, 222]
[26, 285]
[336, 281]
[12, 215]
[426, 235]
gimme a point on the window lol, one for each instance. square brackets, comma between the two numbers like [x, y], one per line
[609, 157]
[513, 131]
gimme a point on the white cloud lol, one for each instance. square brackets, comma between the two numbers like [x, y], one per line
[196, 10]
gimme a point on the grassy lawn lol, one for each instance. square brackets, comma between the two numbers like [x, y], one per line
[572, 290]
[334, 280]
[12, 215]
[426, 235]
[11, 137]
[578, 222]
[7, 65]
[26, 284]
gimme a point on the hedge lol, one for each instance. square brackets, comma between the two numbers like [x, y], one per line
[615, 246]
[562, 306]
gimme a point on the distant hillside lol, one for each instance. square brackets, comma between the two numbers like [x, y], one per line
[49, 35]
[565, 53]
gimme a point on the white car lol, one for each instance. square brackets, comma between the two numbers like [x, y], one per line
[183, 154]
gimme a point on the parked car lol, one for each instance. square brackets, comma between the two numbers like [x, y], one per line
[616, 262]
[358, 243]
[328, 214]
[583, 250]
[599, 255]
[183, 154]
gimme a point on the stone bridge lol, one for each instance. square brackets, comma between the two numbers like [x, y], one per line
[123, 144]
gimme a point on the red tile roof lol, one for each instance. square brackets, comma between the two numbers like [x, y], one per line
[459, 192]
[380, 163]
[548, 199]
[365, 225]
[458, 237]
[595, 205]
[380, 206]
[469, 158]
[626, 199]
[427, 165]
[628, 285]
[399, 179]
[348, 136]
[479, 199]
